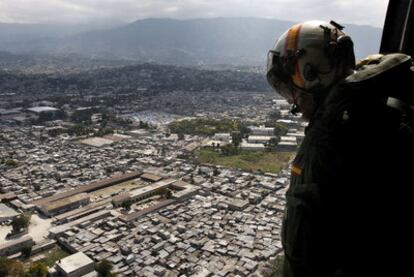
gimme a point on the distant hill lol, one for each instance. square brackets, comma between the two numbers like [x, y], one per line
[236, 41]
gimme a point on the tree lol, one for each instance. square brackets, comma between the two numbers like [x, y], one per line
[104, 268]
[143, 125]
[166, 193]
[180, 136]
[37, 269]
[26, 251]
[126, 205]
[11, 162]
[10, 267]
[229, 150]
[236, 138]
[20, 222]
[216, 171]
[244, 130]
[272, 144]
[4, 262]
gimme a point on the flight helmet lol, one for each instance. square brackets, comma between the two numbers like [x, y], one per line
[310, 57]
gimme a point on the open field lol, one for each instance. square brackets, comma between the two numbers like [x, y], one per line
[206, 127]
[252, 161]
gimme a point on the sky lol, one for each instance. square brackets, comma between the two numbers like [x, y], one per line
[362, 12]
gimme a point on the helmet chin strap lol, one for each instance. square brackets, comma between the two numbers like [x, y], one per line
[295, 107]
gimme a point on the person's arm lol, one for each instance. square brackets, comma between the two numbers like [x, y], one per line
[310, 229]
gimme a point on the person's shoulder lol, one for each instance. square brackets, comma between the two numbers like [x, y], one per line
[378, 67]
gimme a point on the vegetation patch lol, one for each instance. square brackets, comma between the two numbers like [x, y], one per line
[204, 127]
[54, 255]
[246, 160]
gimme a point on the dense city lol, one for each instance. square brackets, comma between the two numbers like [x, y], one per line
[149, 178]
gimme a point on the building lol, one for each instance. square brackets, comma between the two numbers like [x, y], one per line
[259, 139]
[75, 265]
[224, 137]
[7, 213]
[96, 141]
[6, 197]
[15, 246]
[281, 103]
[141, 193]
[261, 131]
[184, 190]
[287, 144]
[65, 204]
[96, 185]
[150, 177]
[39, 110]
[236, 204]
[252, 146]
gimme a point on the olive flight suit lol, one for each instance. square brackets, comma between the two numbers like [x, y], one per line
[350, 202]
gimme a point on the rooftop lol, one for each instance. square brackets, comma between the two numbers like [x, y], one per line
[50, 206]
[6, 211]
[42, 109]
[96, 141]
[74, 262]
[5, 245]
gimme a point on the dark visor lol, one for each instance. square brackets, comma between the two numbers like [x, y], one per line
[279, 72]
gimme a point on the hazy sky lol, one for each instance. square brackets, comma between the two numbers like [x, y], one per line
[370, 12]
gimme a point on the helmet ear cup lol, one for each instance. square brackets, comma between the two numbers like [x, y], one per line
[310, 73]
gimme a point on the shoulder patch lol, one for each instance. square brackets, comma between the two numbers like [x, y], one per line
[296, 170]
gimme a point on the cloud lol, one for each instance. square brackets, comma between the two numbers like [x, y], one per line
[371, 12]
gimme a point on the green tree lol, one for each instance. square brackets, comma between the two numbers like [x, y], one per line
[143, 125]
[236, 138]
[11, 162]
[126, 205]
[26, 251]
[166, 193]
[104, 268]
[272, 144]
[37, 269]
[20, 222]
[4, 266]
[216, 171]
[10, 267]
[229, 150]
[244, 130]
[180, 136]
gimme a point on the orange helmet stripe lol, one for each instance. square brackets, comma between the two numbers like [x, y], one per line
[292, 41]
[297, 77]
[292, 38]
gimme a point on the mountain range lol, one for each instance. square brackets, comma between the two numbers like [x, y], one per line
[233, 41]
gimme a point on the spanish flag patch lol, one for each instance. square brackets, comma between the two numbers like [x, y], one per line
[296, 170]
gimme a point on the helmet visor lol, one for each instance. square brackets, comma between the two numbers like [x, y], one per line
[278, 76]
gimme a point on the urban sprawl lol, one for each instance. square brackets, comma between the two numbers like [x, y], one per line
[116, 183]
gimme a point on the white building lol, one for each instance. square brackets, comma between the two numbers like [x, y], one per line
[75, 265]
[252, 146]
[287, 144]
[281, 103]
[261, 131]
[7, 213]
[16, 245]
[259, 139]
[38, 110]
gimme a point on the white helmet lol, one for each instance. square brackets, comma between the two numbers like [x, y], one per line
[310, 57]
